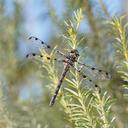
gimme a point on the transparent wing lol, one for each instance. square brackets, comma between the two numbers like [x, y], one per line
[87, 79]
[45, 57]
[38, 42]
[60, 55]
[94, 72]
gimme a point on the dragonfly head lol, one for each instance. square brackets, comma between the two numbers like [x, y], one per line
[75, 52]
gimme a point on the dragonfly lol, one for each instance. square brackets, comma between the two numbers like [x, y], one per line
[69, 60]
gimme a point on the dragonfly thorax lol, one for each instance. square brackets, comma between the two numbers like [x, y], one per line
[72, 57]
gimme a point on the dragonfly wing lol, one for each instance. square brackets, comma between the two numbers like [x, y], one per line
[38, 42]
[60, 55]
[94, 72]
[44, 57]
[89, 81]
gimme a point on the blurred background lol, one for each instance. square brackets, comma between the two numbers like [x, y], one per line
[24, 95]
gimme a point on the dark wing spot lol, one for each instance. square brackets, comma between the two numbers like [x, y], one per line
[30, 37]
[48, 46]
[93, 68]
[100, 70]
[107, 73]
[96, 85]
[90, 80]
[33, 54]
[27, 55]
[36, 38]
[48, 58]
[41, 56]
[84, 76]
[42, 42]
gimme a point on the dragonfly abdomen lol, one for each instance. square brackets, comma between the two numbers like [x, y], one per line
[59, 85]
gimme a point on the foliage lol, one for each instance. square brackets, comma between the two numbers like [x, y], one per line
[120, 33]
[119, 27]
